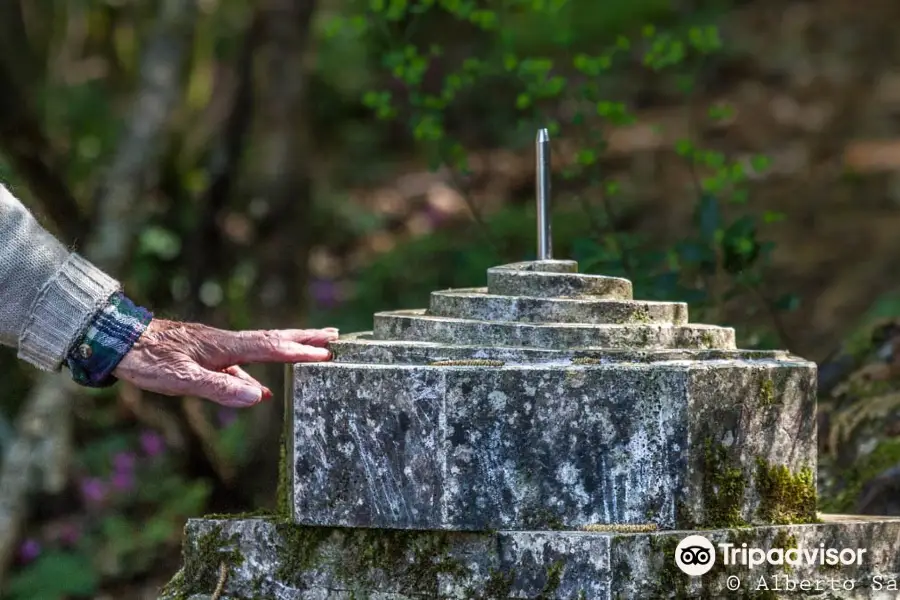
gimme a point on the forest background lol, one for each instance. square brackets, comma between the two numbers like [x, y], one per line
[286, 163]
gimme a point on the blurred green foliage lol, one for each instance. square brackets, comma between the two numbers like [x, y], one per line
[546, 56]
[453, 77]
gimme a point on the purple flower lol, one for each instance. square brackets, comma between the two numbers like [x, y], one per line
[123, 462]
[93, 490]
[123, 481]
[325, 293]
[29, 550]
[152, 443]
[227, 416]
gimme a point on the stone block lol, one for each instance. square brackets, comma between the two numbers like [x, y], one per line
[264, 558]
[542, 446]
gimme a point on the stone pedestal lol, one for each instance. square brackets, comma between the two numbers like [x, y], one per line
[544, 437]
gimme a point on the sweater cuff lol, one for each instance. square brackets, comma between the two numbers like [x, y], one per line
[107, 340]
[63, 310]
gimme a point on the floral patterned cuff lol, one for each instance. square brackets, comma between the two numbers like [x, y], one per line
[107, 340]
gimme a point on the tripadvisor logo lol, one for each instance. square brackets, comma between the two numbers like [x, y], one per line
[695, 555]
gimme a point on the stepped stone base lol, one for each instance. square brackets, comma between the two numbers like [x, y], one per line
[265, 558]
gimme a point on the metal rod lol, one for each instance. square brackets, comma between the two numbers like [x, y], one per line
[542, 185]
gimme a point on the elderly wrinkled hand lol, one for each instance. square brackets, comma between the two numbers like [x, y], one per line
[189, 359]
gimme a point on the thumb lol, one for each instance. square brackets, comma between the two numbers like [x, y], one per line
[226, 389]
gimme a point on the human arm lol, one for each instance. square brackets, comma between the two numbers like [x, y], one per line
[48, 295]
[56, 308]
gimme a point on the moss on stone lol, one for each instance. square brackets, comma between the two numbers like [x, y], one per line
[767, 393]
[416, 559]
[299, 549]
[554, 578]
[207, 553]
[176, 588]
[785, 498]
[724, 485]
[786, 541]
[542, 519]
[253, 514]
[498, 586]
[671, 579]
[708, 340]
[641, 315]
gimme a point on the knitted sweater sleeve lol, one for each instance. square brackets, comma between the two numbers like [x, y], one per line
[48, 296]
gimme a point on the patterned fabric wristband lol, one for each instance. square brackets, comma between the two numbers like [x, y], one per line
[107, 340]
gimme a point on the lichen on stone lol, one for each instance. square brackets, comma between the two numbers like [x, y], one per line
[586, 360]
[641, 315]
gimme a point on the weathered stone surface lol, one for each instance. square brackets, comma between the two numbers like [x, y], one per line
[504, 281]
[548, 266]
[361, 348]
[543, 446]
[266, 559]
[414, 325]
[476, 304]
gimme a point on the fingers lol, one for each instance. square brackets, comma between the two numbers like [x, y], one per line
[232, 387]
[286, 345]
[243, 375]
[182, 377]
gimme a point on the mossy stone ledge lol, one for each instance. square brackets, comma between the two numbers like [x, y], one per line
[546, 436]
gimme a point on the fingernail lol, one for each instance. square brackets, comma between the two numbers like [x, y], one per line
[267, 393]
[248, 395]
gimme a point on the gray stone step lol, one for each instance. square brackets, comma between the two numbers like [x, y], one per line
[505, 281]
[265, 558]
[361, 348]
[477, 304]
[539, 446]
[546, 266]
[414, 325]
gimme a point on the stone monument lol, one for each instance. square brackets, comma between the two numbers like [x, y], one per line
[546, 436]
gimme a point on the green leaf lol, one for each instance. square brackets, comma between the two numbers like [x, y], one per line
[684, 148]
[54, 575]
[586, 157]
[773, 217]
[760, 163]
[721, 112]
